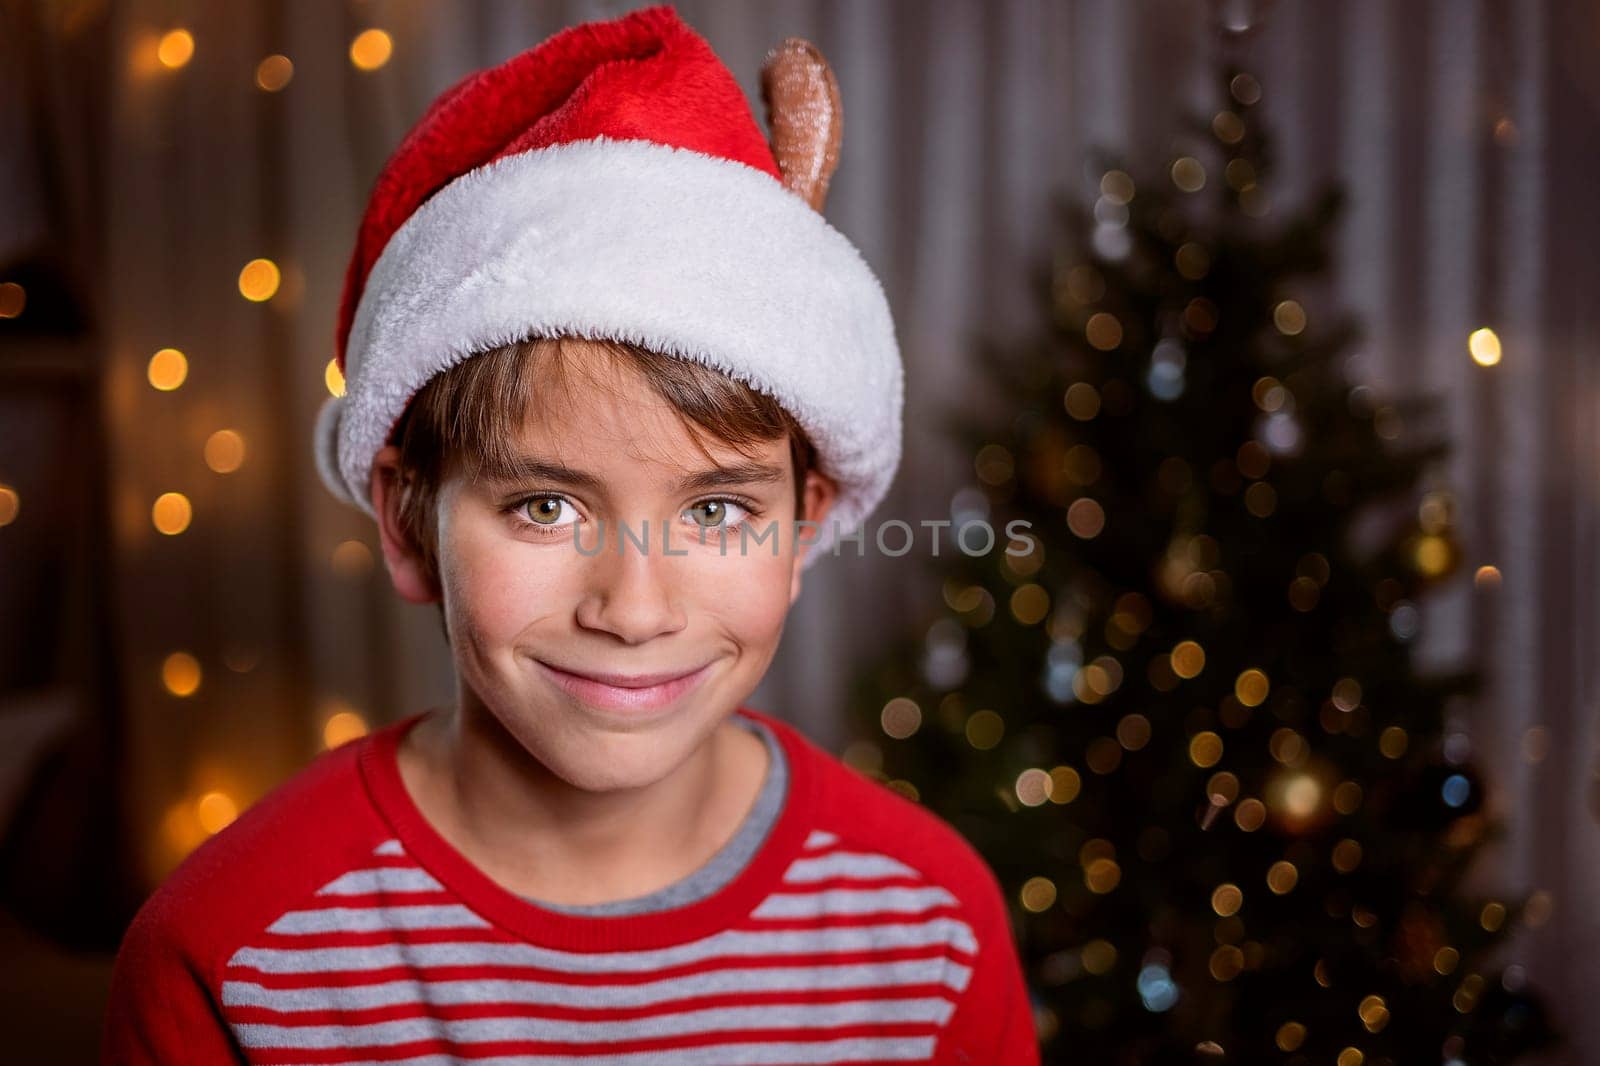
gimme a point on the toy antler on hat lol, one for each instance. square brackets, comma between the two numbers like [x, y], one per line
[802, 100]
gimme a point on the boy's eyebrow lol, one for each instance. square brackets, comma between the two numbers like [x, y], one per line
[532, 468]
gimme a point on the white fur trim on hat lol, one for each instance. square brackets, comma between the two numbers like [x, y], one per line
[680, 252]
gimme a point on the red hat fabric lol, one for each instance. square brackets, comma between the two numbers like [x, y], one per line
[644, 76]
[612, 182]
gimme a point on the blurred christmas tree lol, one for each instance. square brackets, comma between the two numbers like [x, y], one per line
[1186, 727]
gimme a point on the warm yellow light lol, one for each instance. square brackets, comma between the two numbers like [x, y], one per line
[1103, 331]
[1086, 518]
[1098, 956]
[167, 370]
[371, 49]
[342, 727]
[1432, 555]
[1117, 186]
[1484, 344]
[333, 377]
[1282, 876]
[1289, 317]
[176, 48]
[10, 504]
[1188, 659]
[984, 729]
[171, 513]
[1188, 174]
[274, 72]
[180, 673]
[1487, 577]
[1205, 749]
[1065, 784]
[259, 280]
[225, 451]
[1226, 899]
[1038, 894]
[1251, 687]
[1102, 875]
[1250, 815]
[1302, 796]
[13, 298]
[1290, 1036]
[1030, 603]
[215, 810]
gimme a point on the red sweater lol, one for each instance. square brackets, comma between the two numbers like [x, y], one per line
[331, 924]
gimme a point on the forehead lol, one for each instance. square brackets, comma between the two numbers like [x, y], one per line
[593, 410]
[592, 402]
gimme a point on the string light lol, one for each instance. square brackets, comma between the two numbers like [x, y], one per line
[180, 674]
[273, 73]
[216, 810]
[171, 513]
[10, 505]
[167, 370]
[333, 378]
[1484, 344]
[176, 49]
[259, 279]
[900, 718]
[224, 451]
[371, 49]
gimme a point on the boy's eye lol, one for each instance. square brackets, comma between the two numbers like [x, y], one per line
[543, 510]
[713, 513]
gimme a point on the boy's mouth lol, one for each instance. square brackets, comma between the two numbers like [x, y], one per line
[625, 692]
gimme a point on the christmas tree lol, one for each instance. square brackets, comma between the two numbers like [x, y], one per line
[1180, 715]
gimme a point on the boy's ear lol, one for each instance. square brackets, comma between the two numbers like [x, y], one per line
[820, 494]
[404, 559]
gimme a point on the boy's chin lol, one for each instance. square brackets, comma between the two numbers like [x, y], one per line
[597, 750]
[609, 767]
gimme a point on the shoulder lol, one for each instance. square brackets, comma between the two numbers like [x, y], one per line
[278, 850]
[868, 816]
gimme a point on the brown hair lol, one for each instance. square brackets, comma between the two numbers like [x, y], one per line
[473, 412]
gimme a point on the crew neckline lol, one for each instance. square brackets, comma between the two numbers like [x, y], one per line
[526, 918]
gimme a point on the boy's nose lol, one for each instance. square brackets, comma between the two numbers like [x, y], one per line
[631, 595]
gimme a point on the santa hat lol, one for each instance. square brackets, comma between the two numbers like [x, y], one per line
[612, 182]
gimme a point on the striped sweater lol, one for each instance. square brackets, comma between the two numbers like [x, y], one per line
[332, 924]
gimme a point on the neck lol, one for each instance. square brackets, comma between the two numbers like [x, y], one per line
[539, 836]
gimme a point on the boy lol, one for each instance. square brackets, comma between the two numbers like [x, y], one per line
[605, 362]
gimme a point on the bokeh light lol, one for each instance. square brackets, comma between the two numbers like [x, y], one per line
[216, 810]
[13, 298]
[171, 513]
[176, 49]
[224, 451]
[274, 72]
[167, 370]
[259, 280]
[371, 49]
[180, 674]
[1484, 344]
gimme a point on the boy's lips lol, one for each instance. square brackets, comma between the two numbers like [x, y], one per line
[625, 692]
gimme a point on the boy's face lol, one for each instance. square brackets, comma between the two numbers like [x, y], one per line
[535, 610]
